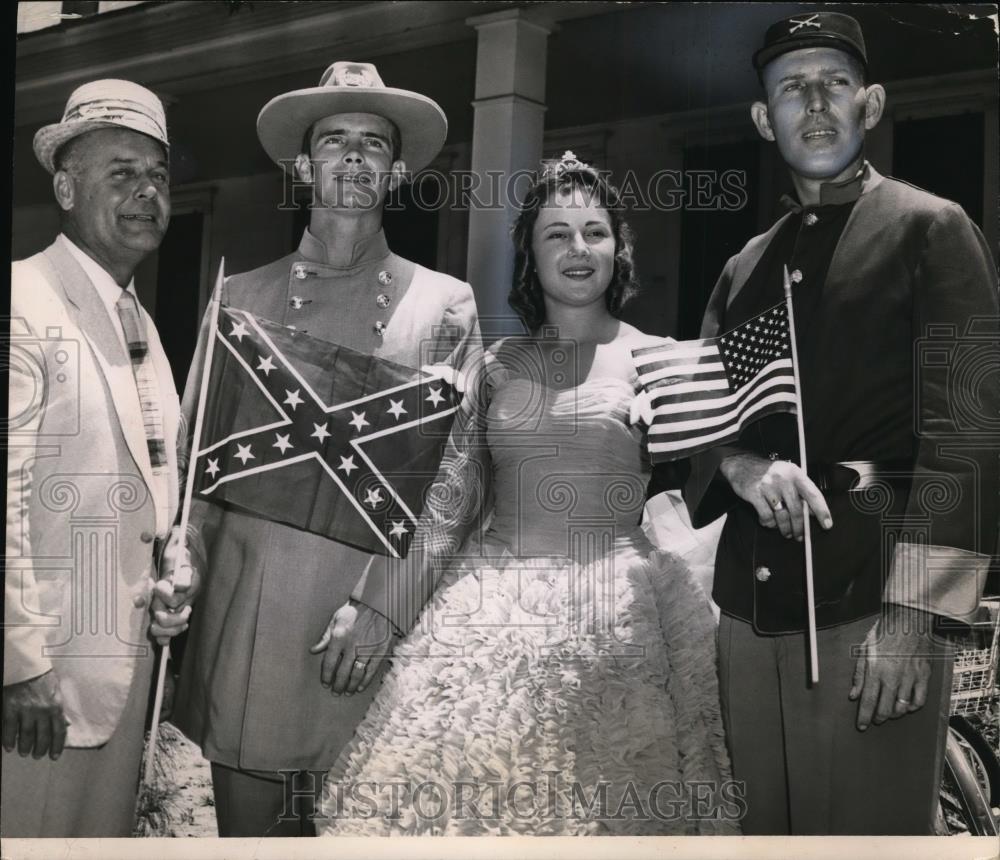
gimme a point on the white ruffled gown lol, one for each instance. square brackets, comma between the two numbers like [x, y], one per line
[563, 679]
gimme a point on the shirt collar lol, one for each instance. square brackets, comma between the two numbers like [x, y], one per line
[835, 193]
[106, 286]
[367, 250]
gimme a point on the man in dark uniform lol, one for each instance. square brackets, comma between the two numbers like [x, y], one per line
[905, 498]
[276, 634]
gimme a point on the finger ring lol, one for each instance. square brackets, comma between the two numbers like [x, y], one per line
[902, 701]
[776, 504]
[361, 664]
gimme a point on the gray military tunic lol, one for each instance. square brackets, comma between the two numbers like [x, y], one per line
[250, 693]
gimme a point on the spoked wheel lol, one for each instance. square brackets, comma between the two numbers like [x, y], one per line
[971, 783]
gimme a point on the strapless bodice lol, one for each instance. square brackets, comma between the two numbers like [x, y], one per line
[566, 466]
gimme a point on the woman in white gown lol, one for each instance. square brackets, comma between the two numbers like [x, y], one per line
[562, 678]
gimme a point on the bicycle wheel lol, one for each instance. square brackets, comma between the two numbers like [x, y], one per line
[969, 776]
[982, 756]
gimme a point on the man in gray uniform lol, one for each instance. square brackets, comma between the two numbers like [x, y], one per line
[274, 637]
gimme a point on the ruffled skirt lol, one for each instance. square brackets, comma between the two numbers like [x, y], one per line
[539, 696]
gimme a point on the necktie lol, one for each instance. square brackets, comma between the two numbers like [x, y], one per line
[145, 379]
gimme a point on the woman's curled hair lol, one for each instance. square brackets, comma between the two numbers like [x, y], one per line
[526, 296]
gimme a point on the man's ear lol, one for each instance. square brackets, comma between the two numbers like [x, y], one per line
[65, 190]
[758, 113]
[303, 167]
[397, 174]
[874, 105]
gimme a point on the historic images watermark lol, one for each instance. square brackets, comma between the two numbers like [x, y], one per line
[498, 190]
[549, 796]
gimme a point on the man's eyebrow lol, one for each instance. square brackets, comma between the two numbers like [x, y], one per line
[123, 159]
[798, 76]
[347, 131]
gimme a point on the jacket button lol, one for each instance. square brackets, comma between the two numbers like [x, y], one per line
[146, 537]
[139, 601]
[763, 574]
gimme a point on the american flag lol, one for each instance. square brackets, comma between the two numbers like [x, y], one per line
[704, 392]
[319, 436]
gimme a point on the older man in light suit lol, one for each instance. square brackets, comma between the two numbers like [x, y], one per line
[92, 476]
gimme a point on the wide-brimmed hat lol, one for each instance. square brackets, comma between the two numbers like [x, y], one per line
[107, 103]
[352, 88]
[812, 30]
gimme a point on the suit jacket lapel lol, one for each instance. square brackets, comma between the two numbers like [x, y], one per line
[93, 320]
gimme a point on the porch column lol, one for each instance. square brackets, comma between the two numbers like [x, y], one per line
[508, 124]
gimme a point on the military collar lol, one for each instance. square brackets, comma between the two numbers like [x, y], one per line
[367, 250]
[836, 193]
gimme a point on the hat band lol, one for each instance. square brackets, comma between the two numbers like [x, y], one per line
[119, 112]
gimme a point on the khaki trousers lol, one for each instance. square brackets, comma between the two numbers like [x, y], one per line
[86, 791]
[806, 767]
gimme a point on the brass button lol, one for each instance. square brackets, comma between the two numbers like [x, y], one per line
[300, 272]
[296, 302]
[763, 574]
[385, 278]
[382, 300]
[146, 537]
[380, 328]
[139, 601]
[797, 276]
[811, 218]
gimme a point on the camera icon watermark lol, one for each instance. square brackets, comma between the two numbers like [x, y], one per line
[957, 380]
[44, 376]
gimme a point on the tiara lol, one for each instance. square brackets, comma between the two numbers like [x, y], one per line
[554, 168]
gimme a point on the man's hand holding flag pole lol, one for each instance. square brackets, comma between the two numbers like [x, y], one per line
[700, 394]
[174, 591]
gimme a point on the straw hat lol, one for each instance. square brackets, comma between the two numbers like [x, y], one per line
[103, 104]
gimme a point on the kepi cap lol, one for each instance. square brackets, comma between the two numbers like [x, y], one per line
[812, 30]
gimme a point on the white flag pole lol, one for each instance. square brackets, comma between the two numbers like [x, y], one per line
[181, 576]
[199, 417]
[803, 462]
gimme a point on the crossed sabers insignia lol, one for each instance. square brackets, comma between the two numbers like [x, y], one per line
[811, 21]
[309, 429]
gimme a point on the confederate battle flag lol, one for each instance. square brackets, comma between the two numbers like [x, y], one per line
[319, 436]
